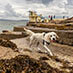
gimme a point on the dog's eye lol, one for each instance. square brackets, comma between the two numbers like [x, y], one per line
[50, 35]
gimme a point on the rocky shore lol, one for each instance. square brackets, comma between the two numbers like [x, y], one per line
[16, 56]
[25, 64]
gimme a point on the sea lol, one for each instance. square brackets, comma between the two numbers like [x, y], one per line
[10, 24]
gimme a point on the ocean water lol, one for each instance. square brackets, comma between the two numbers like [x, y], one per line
[8, 25]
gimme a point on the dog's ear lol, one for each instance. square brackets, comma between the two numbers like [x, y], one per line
[57, 36]
[49, 38]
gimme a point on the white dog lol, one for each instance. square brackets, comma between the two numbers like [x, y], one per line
[47, 38]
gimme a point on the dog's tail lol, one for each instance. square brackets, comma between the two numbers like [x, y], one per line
[29, 32]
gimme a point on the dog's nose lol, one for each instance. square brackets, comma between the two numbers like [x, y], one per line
[53, 38]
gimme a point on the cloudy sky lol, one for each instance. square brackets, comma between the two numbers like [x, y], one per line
[18, 9]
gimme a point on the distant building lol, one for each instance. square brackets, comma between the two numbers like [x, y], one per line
[33, 17]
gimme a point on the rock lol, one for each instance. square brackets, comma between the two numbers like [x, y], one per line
[7, 43]
[43, 58]
[4, 31]
[25, 64]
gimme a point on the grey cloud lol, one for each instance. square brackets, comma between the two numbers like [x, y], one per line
[9, 11]
[65, 13]
[46, 1]
[70, 2]
[19, 8]
[40, 1]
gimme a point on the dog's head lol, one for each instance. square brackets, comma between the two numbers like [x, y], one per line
[53, 36]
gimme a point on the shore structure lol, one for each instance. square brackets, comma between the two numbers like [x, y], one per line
[51, 22]
[35, 18]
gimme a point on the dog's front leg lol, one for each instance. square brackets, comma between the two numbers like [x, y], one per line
[48, 49]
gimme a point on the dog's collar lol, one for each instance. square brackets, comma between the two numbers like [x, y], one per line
[46, 42]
